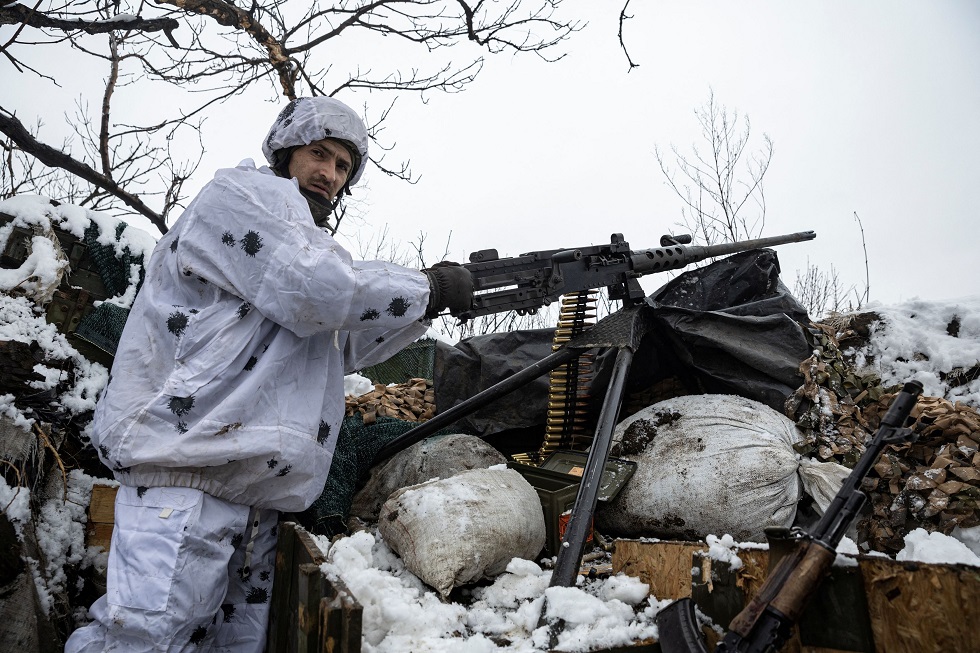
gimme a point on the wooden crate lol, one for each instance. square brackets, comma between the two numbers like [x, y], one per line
[878, 605]
[309, 612]
[101, 509]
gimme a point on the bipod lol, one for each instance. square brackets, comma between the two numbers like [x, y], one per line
[622, 330]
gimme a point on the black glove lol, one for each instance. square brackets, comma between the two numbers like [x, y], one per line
[451, 286]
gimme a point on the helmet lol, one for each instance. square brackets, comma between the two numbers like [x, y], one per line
[309, 119]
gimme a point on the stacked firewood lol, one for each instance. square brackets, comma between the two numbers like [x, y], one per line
[933, 483]
[412, 401]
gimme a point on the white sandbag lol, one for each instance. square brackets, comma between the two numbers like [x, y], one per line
[458, 530]
[822, 481]
[432, 458]
[706, 464]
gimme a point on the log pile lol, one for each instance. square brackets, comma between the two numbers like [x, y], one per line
[412, 401]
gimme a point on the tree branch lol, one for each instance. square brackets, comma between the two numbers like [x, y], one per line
[15, 130]
[19, 14]
[227, 14]
[622, 19]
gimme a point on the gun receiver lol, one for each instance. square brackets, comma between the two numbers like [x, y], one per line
[764, 625]
[527, 282]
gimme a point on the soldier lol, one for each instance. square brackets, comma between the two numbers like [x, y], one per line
[226, 394]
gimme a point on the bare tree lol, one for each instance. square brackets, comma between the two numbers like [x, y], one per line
[720, 185]
[822, 293]
[207, 51]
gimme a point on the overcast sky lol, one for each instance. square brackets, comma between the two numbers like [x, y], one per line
[873, 107]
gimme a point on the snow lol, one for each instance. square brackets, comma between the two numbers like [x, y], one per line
[936, 548]
[356, 385]
[402, 615]
[914, 341]
[44, 214]
[21, 321]
[60, 532]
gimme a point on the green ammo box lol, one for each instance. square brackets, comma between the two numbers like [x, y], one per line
[557, 493]
[556, 482]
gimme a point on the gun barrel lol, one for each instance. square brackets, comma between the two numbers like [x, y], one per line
[723, 249]
[672, 257]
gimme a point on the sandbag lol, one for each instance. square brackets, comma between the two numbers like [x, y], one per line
[458, 530]
[432, 458]
[708, 464]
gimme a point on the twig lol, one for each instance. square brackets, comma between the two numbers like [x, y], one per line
[16, 471]
[47, 445]
[867, 274]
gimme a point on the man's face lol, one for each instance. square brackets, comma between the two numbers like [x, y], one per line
[321, 167]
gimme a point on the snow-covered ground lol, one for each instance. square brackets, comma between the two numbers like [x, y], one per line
[924, 341]
[918, 339]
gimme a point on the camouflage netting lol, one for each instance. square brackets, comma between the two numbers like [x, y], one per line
[103, 326]
[414, 361]
[933, 483]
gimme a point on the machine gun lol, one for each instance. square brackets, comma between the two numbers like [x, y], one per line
[527, 282]
[764, 625]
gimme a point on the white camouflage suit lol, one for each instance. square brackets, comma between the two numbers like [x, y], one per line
[226, 397]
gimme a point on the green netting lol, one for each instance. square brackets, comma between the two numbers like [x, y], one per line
[357, 445]
[103, 326]
[413, 362]
[113, 268]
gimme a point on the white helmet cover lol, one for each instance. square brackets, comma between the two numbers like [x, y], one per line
[309, 119]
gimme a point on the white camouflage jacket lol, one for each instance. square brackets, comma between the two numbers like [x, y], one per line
[229, 374]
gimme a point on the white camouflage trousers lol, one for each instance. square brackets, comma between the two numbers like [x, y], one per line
[176, 578]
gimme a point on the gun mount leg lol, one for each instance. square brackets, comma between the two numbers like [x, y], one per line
[477, 401]
[573, 542]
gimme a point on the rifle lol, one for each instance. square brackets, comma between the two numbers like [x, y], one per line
[527, 282]
[764, 625]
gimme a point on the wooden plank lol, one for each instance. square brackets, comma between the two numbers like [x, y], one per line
[331, 626]
[98, 535]
[102, 507]
[309, 593]
[921, 608]
[351, 622]
[309, 612]
[309, 551]
[101, 516]
[664, 566]
[282, 615]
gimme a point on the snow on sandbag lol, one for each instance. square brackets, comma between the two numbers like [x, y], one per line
[432, 458]
[458, 530]
[712, 464]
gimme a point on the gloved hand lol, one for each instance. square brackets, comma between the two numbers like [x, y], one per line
[451, 286]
